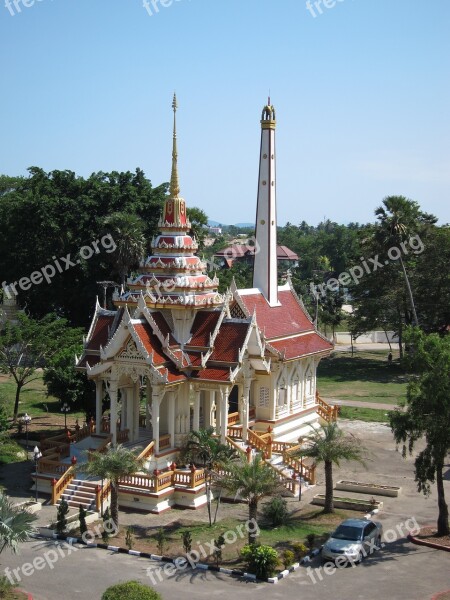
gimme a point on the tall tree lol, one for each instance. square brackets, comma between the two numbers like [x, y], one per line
[199, 222]
[27, 344]
[427, 414]
[399, 218]
[204, 448]
[127, 231]
[252, 482]
[115, 463]
[330, 445]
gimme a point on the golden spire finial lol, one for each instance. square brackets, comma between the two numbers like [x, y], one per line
[174, 183]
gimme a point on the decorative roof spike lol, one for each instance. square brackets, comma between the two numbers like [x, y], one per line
[174, 182]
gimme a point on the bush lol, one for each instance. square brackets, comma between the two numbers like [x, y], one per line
[311, 540]
[105, 532]
[82, 518]
[287, 558]
[276, 512]
[219, 544]
[5, 587]
[129, 538]
[260, 560]
[187, 541]
[161, 540]
[61, 521]
[131, 590]
[300, 550]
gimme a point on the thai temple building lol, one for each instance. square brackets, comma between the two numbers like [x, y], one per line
[176, 355]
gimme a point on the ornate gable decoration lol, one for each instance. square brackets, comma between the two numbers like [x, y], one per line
[130, 353]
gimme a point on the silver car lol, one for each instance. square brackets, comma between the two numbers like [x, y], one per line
[352, 541]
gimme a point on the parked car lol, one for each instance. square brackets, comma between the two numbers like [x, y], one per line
[353, 540]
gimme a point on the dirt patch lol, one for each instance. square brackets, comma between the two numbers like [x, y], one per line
[429, 534]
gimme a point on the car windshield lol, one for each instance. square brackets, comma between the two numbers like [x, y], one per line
[348, 532]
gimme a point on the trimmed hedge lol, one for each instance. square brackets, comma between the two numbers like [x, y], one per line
[130, 590]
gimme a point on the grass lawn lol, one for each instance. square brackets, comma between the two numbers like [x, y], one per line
[45, 411]
[363, 414]
[365, 377]
[308, 519]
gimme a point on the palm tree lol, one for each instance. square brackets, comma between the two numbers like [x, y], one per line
[127, 231]
[252, 482]
[329, 444]
[15, 525]
[115, 463]
[205, 449]
[399, 218]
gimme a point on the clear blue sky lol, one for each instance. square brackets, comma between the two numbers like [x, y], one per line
[362, 93]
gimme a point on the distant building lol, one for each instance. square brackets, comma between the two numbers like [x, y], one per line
[286, 258]
[216, 230]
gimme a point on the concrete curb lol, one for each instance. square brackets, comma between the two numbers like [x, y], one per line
[166, 559]
[294, 567]
[419, 542]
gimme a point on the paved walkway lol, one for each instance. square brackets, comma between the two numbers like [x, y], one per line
[358, 404]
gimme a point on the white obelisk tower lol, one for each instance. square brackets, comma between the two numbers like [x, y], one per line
[265, 274]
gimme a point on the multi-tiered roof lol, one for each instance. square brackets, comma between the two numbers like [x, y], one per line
[173, 275]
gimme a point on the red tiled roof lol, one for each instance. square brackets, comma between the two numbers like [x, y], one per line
[89, 358]
[195, 358]
[173, 374]
[283, 252]
[203, 325]
[100, 334]
[163, 326]
[229, 341]
[150, 343]
[302, 345]
[278, 321]
[213, 374]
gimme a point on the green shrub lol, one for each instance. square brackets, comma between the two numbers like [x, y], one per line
[82, 518]
[161, 540]
[300, 550]
[5, 587]
[287, 558]
[311, 540]
[130, 590]
[260, 560]
[129, 538]
[187, 541]
[61, 521]
[276, 512]
[219, 544]
[105, 532]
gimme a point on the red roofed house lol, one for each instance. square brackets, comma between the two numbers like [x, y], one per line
[244, 362]
[226, 257]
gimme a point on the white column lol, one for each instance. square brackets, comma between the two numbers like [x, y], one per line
[245, 408]
[171, 418]
[148, 423]
[136, 411]
[98, 405]
[130, 403]
[157, 395]
[196, 420]
[209, 406]
[223, 414]
[113, 411]
[123, 412]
